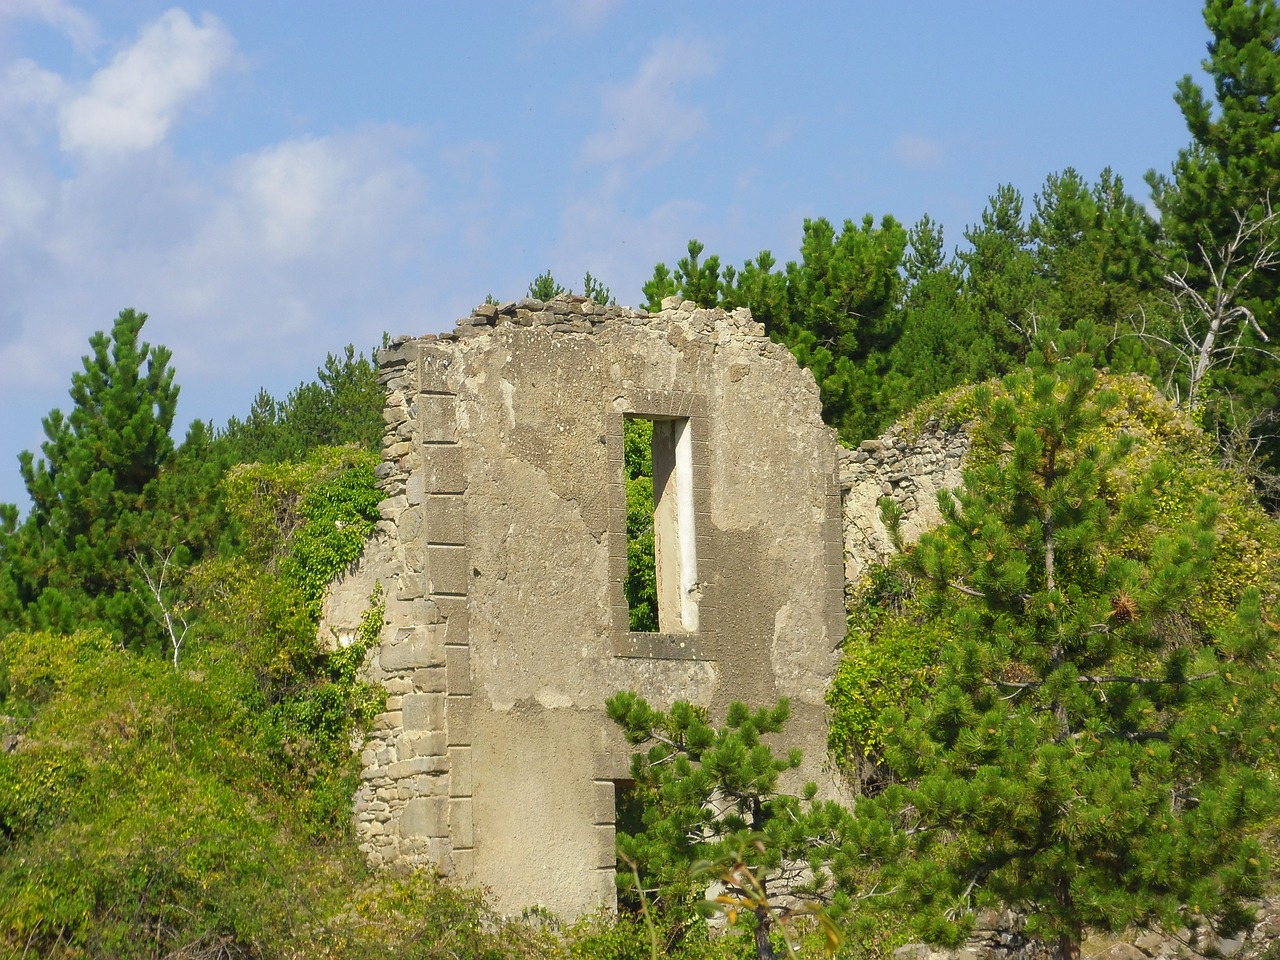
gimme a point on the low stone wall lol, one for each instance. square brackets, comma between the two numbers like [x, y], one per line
[908, 466]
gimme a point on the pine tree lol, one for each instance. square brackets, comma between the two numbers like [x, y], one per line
[712, 811]
[70, 561]
[544, 287]
[1001, 285]
[1090, 750]
[837, 309]
[1233, 162]
[342, 405]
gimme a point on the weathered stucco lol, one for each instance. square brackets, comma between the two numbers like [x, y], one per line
[503, 553]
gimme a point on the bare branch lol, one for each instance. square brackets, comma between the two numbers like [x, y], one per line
[169, 617]
[1191, 679]
[1212, 319]
[1036, 684]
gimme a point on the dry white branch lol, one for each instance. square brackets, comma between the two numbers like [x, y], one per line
[170, 618]
[1211, 320]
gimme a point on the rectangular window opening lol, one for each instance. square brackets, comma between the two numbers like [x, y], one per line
[662, 576]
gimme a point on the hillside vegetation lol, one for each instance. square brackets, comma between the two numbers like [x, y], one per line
[1064, 700]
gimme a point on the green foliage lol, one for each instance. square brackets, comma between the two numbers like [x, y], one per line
[658, 287]
[148, 809]
[1233, 161]
[69, 564]
[884, 320]
[891, 654]
[136, 822]
[544, 287]
[1089, 751]
[628, 936]
[712, 810]
[594, 290]
[338, 515]
[641, 585]
[1231, 171]
[342, 406]
[299, 526]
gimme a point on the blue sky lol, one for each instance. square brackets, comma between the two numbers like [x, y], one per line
[272, 181]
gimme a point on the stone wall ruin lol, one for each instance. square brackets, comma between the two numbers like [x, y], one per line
[502, 554]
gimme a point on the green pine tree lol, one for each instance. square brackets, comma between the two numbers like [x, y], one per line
[341, 406]
[71, 561]
[837, 309]
[1232, 165]
[1092, 751]
[544, 287]
[711, 810]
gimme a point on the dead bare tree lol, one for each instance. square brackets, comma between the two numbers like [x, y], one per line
[169, 614]
[1211, 322]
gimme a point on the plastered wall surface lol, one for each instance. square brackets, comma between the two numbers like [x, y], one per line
[502, 554]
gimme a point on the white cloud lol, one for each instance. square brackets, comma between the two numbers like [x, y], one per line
[645, 120]
[289, 194]
[62, 16]
[587, 15]
[287, 242]
[27, 84]
[920, 153]
[310, 218]
[131, 103]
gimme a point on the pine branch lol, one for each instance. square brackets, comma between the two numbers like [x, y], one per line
[1084, 678]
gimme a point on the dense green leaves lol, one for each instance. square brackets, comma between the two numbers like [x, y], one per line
[343, 405]
[1226, 178]
[545, 287]
[885, 319]
[641, 584]
[149, 807]
[1089, 750]
[712, 810]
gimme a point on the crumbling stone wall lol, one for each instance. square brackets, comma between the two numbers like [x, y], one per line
[910, 466]
[502, 554]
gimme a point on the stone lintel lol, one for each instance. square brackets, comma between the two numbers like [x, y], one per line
[659, 646]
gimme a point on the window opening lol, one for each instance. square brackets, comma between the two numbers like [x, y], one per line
[661, 568]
